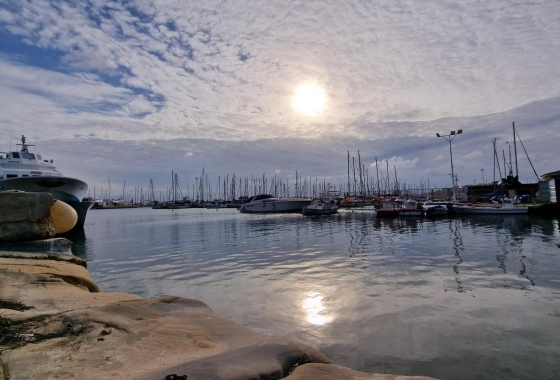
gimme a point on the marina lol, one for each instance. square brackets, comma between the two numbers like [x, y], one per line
[235, 190]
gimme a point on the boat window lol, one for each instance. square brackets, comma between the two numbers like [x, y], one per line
[15, 155]
[27, 156]
[262, 196]
[11, 176]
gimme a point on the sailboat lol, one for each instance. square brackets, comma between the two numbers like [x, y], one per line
[503, 205]
[506, 207]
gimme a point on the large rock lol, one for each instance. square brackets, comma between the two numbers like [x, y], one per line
[63, 328]
[25, 216]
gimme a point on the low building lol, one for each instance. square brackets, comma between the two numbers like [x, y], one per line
[549, 187]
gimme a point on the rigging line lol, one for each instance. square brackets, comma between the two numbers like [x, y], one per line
[527, 155]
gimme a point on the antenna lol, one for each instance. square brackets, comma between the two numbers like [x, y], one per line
[11, 139]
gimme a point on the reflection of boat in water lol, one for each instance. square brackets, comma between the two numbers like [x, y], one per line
[507, 207]
[320, 207]
[437, 210]
[263, 203]
[25, 171]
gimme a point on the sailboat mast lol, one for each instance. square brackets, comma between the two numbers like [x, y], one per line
[504, 156]
[388, 186]
[495, 158]
[377, 174]
[515, 152]
[348, 191]
[396, 182]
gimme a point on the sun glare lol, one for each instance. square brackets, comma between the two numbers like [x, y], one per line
[310, 100]
[315, 310]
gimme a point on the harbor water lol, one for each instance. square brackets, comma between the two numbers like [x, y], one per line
[454, 298]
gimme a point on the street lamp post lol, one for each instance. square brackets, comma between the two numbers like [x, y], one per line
[450, 138]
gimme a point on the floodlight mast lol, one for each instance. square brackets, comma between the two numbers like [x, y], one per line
[450, 138]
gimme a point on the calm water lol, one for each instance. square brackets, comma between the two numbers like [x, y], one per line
[462, 298]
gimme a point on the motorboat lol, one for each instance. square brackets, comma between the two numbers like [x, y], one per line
[506, 207]
[410, 208]
[390, 208]
[266, 203]
[30, 172]
[320, 207]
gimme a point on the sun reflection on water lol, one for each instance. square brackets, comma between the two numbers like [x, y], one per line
[315, 310]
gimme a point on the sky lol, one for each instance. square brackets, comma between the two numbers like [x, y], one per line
[129, 91]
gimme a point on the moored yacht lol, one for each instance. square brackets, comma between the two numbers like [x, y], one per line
[26, 171]
[411, 208]
[320, 207]
[390, 208]
[507, 207]
[268, 203]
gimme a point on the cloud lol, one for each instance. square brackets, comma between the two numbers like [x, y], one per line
[221, 76]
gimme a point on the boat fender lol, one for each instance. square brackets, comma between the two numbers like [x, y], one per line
[63, 217]
[473, 207]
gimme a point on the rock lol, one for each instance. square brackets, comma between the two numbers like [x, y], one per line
[61, 330]
[25, 216]
[59, 246]
[316, 371]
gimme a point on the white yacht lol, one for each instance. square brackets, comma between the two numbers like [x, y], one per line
[31, 172]
[27, 171]
[267, 203]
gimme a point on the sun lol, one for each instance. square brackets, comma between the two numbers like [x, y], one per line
[310, 100]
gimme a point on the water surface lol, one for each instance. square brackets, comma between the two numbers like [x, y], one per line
[464, 298]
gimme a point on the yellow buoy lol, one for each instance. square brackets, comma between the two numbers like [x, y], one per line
[63, 217]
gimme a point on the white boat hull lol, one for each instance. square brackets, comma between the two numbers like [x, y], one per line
[485, 210]
[275, 205]
[66, 189]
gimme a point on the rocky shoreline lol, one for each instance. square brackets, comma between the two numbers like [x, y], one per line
[56, 324]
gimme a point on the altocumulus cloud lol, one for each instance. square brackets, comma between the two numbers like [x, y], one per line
[135, 85]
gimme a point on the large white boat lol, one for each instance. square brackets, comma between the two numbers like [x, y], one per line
[26, 171]
[507, 207]
[267, 203]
